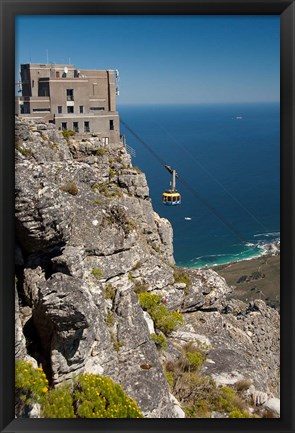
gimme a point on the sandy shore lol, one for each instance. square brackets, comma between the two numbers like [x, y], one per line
[258, 278]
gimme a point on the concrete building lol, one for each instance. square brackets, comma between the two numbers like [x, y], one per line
[78, 100]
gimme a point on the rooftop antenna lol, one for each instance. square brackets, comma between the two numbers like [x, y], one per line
[47, 57]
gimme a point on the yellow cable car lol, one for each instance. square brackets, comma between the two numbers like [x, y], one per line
[171, 197]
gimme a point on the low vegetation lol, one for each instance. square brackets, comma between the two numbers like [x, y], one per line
[70, 187]
[164, 320]
[100, 151]
[31, 386]
[180, 276]
[109, 291]
[25, 151]
[119, 217]
[160, 340]
[67, 133]
[97, 273]
[89, 396]
[199, 395]
[108, 190]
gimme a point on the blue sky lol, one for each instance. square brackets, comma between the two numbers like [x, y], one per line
[164, 59]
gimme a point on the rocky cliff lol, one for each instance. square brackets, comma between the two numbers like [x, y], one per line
[87, 242]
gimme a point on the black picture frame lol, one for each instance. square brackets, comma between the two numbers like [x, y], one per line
[9, 10]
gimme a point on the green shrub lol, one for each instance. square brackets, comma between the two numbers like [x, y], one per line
[109, 291]
[71, 188]
[140, 287]
[97, 273]
[111, 173]
[243, 385]
[192, 359]
[164, 320]
[107, 190]
[257, 275]
[181, 276]
[239, 414]
[110, 318]
[59, 403]
[169, 377]
[199, 394]
[90, 396]
[31, 385]
[241, 279]
[97, 201]
[67, 133]
[119, 217]
[160, 340]
[25, 151]
[195, 360]
[116, 342]
[100, 151]
[100, 397]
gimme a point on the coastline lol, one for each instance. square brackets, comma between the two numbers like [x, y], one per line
[258, 278]
[252, 252]
[254, 277]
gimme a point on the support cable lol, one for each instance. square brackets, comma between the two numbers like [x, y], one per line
[188, 186]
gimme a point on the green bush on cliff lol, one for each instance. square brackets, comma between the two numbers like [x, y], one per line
[109, 291]
[59, 403]
[164, 320]
[67, 133]
[97, 273]
[90, 396]
[25, 151]
[239, 414]
[100, 151]
[181, 276]
[206, 397]
[160, 340]
[100, 397]
[192, 359]
[70, 187]
[31, 386]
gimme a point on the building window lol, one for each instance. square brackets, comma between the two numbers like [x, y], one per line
[111, 125]
[86, 127]
[76, 126]
[97, 108]
[57, 75]
[70, 109]
[81, 109]
[26, 108]
[70, 94]
[64, 125]
[43, 88]
[105, 140]
[59, 109]
[40, 110]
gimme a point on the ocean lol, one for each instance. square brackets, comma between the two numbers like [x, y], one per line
[228, 162]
